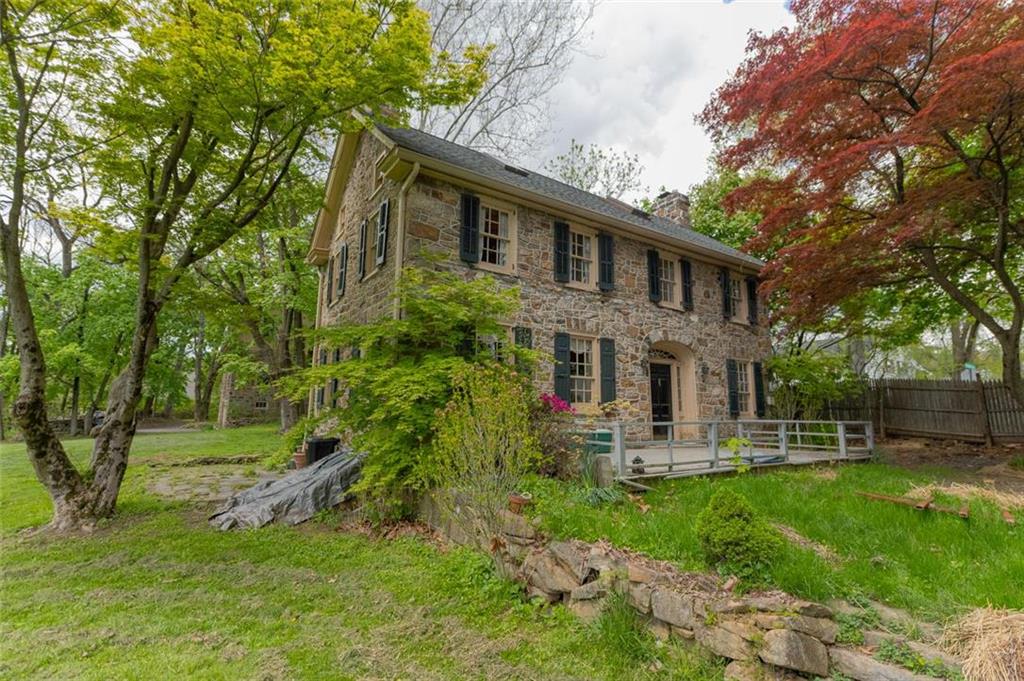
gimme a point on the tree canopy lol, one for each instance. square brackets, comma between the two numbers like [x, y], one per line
[895, 131]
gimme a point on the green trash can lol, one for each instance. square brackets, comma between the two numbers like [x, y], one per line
[599, 442]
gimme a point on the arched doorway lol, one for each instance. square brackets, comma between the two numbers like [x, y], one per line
[673, 386]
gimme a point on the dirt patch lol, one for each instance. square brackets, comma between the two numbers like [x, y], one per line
[968, 462]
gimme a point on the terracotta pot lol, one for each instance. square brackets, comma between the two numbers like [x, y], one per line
[300, 459]
[516, 502]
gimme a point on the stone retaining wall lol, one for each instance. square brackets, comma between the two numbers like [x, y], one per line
[766, 635]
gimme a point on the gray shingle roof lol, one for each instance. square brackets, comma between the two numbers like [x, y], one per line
[491, 168]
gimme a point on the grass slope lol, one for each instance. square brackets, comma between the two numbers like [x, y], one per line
[931, 563]
[157, 593]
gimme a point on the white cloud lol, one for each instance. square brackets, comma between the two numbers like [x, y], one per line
[649, 68]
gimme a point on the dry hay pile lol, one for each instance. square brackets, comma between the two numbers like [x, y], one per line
[1002, 499]
[991, 644]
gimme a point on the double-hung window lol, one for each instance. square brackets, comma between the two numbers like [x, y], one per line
[581, 370]
[737, 298]
[581, 258]
[743, 386]
[667, 267]
[495, 236]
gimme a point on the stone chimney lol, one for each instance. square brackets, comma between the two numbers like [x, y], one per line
[674, 206]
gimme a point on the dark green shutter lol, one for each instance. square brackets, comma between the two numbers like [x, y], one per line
[561, 250]
[469, 235]
[330, 280]
[759, 403]
[653, 280]
[383, 218]
[562, 365]
[607, 370]
[606, 262]
[361, 264]
[342, 269]
[723, 278]
[687, 268]
[732, 378]
[752, 300]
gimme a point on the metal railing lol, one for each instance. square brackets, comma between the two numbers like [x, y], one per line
[698, 447]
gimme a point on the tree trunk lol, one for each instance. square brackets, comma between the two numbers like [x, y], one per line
[76, 385]
[1012, 375]
[199, 412]
[964, 335]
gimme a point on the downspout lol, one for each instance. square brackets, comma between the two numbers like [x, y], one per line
[400, 241]
[311, 400]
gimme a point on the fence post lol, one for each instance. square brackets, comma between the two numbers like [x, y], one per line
[619, 442]
[713, 442]
[986, 425]
[869, 436]
[783, 440]
[841, 434]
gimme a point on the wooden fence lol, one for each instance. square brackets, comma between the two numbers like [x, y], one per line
[980, 411]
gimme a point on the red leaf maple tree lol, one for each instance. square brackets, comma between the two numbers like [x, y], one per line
[896, 132]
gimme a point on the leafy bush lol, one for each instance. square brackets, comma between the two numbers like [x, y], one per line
[803, 383]
[483, 448]
[734, 538]
[561, 442]
[395, 375]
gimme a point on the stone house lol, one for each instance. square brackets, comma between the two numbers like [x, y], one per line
[630, 305]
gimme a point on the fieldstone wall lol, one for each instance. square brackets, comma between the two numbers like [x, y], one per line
[625, 314]
[766, 635]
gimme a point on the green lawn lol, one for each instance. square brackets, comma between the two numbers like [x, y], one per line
[933, 564]
[157, 593]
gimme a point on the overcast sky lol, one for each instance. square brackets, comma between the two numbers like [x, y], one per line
[648, 68]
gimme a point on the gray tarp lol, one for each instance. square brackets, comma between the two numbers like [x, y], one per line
[294, 498]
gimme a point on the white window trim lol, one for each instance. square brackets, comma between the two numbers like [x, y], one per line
[592, 281]
[595, 386]
[512, 257]
[677, 283]
[746, 367]
[508, 332]
[742, 315]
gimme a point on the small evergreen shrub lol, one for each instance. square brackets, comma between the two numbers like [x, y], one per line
[734, 538]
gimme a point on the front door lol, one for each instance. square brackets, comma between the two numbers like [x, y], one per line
[661, 398]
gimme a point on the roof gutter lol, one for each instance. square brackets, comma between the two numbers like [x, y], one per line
[428, 162]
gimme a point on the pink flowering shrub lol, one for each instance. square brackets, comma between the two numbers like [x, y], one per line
[555, 427]
[556, 404]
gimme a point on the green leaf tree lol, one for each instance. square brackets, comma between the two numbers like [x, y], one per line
[197, 128]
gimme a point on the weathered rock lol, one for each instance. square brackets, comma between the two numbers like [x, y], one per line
[661, 630]
[548, 596]
[516, 525]
[639, 596]
[755, 671]
[724, 643]
[820, 628]
[572, 557]
[861, 667]
[673, 607]
[932, 653]
[587, 610]
[809, 609]
[642, 574]
[751, 604]
[590, 591]
[793, 650]
[599, 561]
[540, 569]
[683, 633]
[742, 629]
[903, 620]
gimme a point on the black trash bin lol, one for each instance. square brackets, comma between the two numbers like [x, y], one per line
[320, 448]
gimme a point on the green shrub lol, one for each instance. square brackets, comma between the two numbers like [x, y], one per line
[734, 538]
